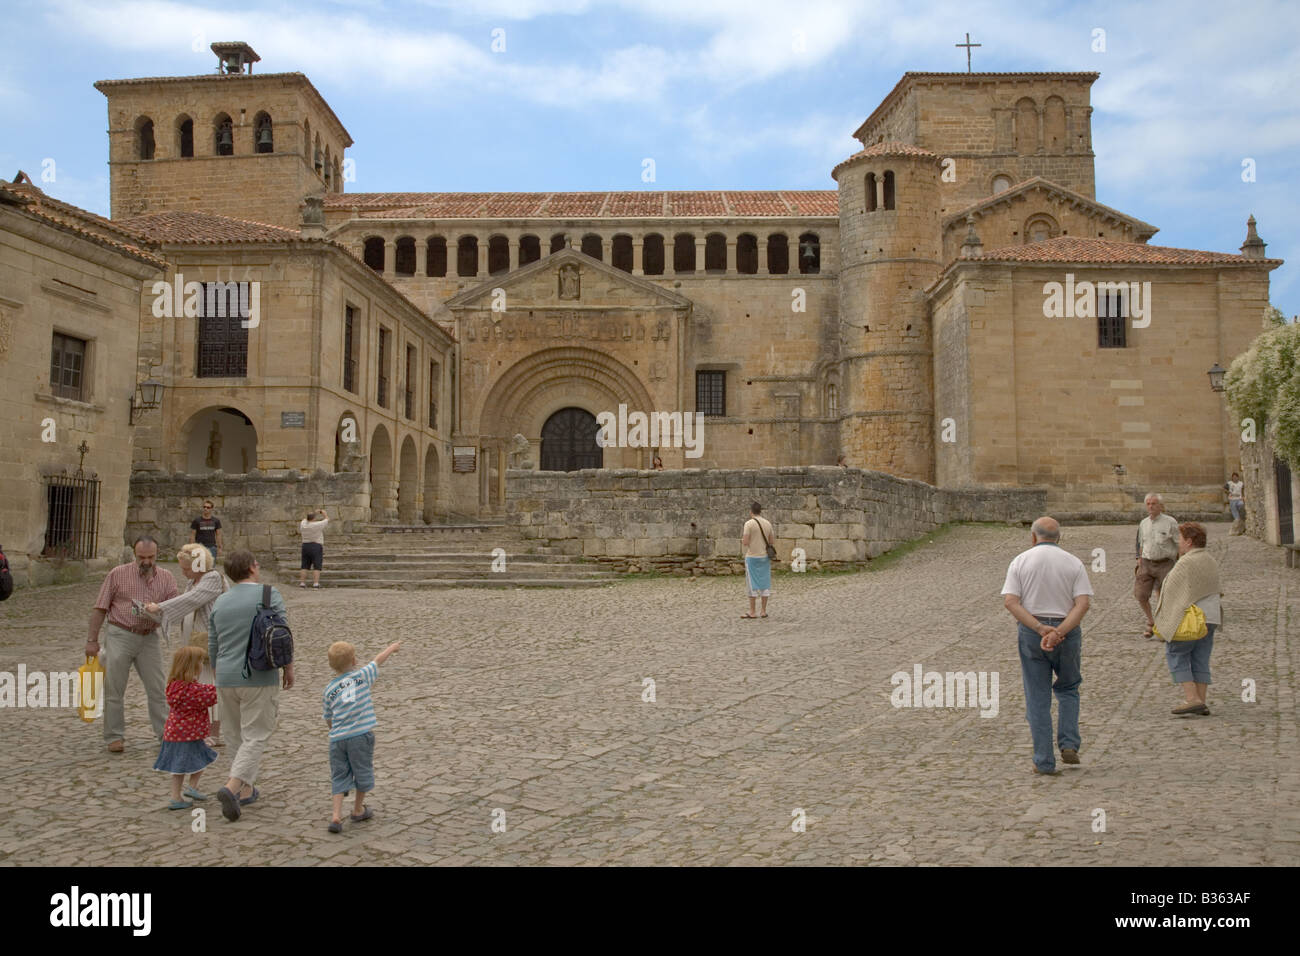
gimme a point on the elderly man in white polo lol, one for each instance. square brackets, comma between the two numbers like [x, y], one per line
[1157, 550]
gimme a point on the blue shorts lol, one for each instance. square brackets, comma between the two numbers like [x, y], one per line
[352, 764]
[1190, 660]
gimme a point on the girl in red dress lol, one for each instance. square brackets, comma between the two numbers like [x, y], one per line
[183, 749]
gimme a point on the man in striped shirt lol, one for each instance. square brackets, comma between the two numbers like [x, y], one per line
[351, 718]
[132, 638]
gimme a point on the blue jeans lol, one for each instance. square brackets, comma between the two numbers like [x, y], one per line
[1190, 660]
[1238, 509]
[1036, 669]
[352, 764]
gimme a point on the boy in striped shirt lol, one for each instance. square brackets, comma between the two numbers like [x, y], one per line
[351, 719]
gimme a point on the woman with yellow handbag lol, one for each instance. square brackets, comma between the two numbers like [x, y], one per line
[1187, 616]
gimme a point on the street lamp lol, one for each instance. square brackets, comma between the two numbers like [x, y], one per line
[150, 392]
[1216, 374]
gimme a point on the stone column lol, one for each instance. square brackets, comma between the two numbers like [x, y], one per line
[638, 260]
[422, 256]
[1069, 129]
[390, 257]
[1042, 116]
[514, 252]
[607, 250]
[762, 256]
[482, 255]
[880, 191]
[701, 244]
[731, 256]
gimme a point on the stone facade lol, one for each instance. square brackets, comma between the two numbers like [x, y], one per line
[691, 520]
[70, 287]
[1260, 470]
[257, 511]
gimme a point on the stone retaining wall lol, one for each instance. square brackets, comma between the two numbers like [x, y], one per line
[689, 521]
[257, 511]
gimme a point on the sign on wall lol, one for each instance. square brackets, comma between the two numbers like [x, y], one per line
[462, 458]
[293, 419]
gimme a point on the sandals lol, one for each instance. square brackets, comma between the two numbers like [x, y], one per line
[251, 798]
[229, 804]
[749, 617]
[180, 804]
[336, 826]
[365, 814]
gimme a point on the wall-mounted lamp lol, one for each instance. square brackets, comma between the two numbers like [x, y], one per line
[150, 392]
[1216, 374]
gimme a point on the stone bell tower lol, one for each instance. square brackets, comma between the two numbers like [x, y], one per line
[890, 250]
[231, 142]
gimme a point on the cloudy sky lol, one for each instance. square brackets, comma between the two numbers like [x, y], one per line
[720, 93]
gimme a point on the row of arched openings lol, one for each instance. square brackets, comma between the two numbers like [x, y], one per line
[222, 136]
[461, 258]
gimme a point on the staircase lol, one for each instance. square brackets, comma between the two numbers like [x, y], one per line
[442, 556]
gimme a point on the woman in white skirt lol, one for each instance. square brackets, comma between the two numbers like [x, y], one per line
[190, 609]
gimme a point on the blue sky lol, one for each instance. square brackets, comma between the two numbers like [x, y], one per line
[720, 93]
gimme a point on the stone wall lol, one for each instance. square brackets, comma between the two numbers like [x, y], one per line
[689, 521]
[258, 512]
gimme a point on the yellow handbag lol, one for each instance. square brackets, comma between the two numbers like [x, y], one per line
[90, 683]
[1190, 628]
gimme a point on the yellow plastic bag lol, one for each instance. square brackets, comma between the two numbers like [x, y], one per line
[90, 681]
[1190, 628]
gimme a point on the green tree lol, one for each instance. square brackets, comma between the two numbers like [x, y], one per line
[1264, 384]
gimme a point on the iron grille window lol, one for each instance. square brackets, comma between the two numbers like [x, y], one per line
[67, 367]
[1112, 319]
[350, 349]
[381, 395]
[435, 374]
[223, 340]
[711, 393]
[410, 382]
[72, 516]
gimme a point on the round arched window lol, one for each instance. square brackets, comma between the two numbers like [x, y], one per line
[1001, 184]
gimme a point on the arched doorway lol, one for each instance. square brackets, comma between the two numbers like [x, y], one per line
[431, 485]
[347, 443]
[569, 441]
[220, 439]
[408, 482]
[382, 503]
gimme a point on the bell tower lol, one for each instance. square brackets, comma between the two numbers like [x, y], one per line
[229, 142]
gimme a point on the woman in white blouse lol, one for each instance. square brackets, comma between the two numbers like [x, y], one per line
[190, 609]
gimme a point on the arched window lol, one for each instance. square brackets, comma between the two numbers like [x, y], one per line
[832, 400]
[374, 253]
[436, 256]
[498, 255]
[328, 166]
[870, 192]
[404, 257]
[778, 254]
[338, 180]
[810, 254]
[144, 138]
[223, 136]
[747, 254]
[530, 249]
[317, 157]
[1026, 126]
[591, 246]
[1040, 227]
[620, 256]
[652, 255]
[184, 136]
[558, 242]
[683, 253]
[467, 256]
[263, 137]
[889, 189]
[306, 139]
[1001, 183]
[1054, 124]
[715, 252]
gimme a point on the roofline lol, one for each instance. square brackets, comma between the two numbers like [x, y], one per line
[1040, 182]
[105, 85]
[791, 217]
[127, 244]
[907, 79]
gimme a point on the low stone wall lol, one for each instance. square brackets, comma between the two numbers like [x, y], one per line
[689, 521]
[258, 512]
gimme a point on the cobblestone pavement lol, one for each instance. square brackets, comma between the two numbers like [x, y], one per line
[531, 702]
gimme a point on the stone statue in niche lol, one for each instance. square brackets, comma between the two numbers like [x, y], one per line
[570, 282]
[663, 331]
[214, 447]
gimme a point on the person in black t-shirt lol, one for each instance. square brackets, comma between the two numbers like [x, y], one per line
[206, 530]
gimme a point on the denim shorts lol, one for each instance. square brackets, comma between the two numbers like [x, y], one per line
[1190, 660]
[352, 764]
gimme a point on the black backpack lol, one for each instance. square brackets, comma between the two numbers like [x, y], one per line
[270, 643]
[6, 579]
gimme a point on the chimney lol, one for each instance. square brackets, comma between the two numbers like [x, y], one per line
[1253, 247]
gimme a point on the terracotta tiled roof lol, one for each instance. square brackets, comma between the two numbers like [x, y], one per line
[590, 205]
[887, 148]
[205, 228]
[1071, 249]
[78, 221]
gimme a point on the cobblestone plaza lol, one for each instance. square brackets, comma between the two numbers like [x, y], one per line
[534, 703]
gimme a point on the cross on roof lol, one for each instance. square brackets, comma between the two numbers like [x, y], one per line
[968, 46]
